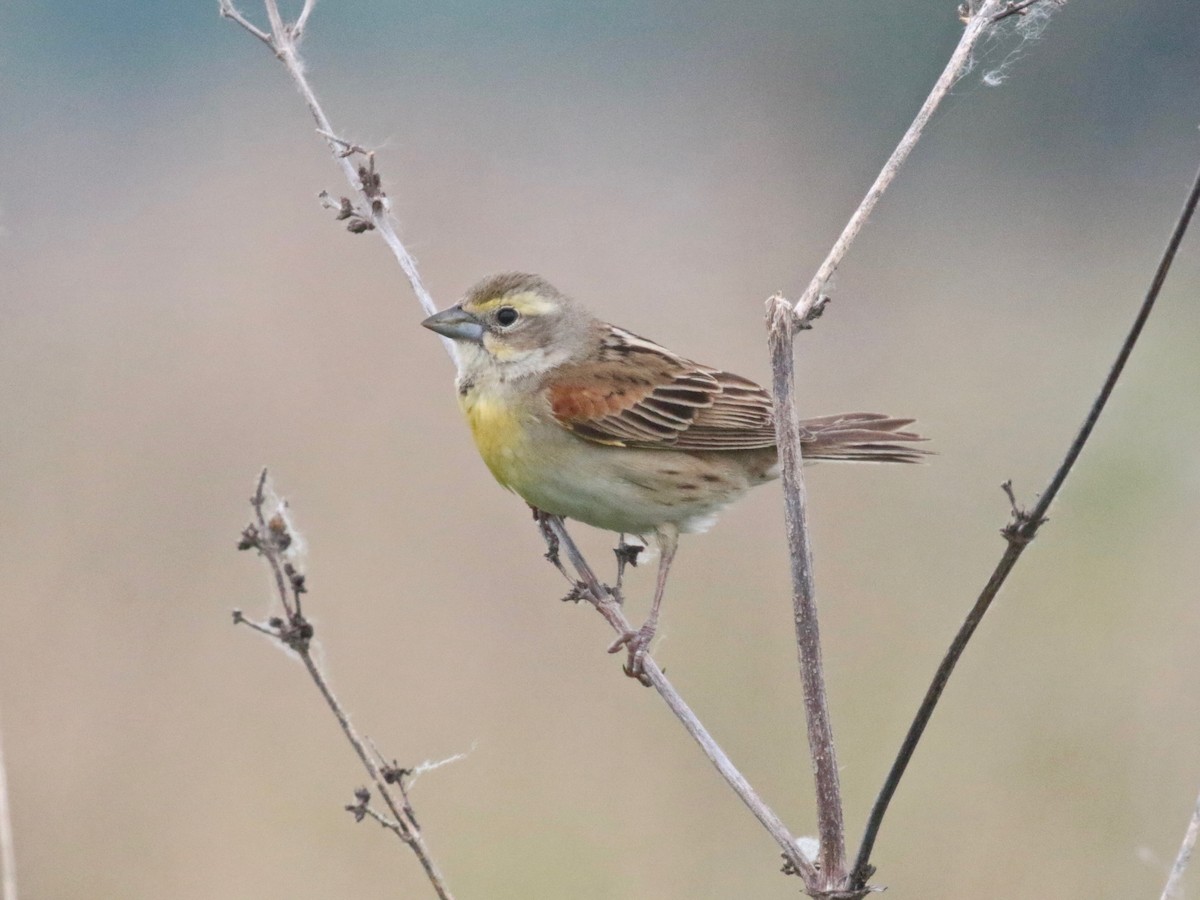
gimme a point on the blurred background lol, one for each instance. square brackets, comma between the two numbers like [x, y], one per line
[176, 311]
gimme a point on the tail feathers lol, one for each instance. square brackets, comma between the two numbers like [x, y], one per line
[860, 437]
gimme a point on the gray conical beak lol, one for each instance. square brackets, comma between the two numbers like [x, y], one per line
[457, 324]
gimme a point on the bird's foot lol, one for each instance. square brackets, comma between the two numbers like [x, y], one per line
[638, 644]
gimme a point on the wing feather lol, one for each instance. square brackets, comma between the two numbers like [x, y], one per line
[658, 400]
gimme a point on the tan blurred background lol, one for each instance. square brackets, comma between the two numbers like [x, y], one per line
[176, 311]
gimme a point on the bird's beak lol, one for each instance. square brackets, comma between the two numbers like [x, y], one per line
[457, 324]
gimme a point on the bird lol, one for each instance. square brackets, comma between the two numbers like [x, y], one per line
[591, 422]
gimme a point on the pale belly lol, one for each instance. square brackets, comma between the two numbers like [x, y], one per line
[614, 488]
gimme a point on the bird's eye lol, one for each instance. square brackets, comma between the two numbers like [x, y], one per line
[506, 316]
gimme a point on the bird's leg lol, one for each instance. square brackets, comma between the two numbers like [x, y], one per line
[542, 519]
[627, 555]
[638, 642]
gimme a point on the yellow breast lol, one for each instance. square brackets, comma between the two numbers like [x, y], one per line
[500, 436]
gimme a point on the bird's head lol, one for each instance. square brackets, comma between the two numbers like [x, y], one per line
[514, 323]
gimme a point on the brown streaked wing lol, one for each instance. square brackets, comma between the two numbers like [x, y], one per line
[656, 400]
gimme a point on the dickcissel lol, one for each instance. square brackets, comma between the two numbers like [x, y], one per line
[591, 422]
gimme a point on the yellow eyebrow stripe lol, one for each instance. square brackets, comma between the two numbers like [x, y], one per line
[528, 303]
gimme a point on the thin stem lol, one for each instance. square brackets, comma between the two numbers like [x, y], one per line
[809, 303]
[1173, 890]
[1118, 366]
[862, 869]
[229, 11]
[283, 40]
[1014, 9]
[271, 538]
[383, 821]
[302, 19]
[265, 532]
[404, 827]
[830, 826]
[8, 852]
[601, 598]
[1020, 531]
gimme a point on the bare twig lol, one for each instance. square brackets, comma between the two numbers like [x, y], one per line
[830, 827]
[809, 304]
[302, 19]
[1012, 8]
[1019, 532]
[283, 40]
[1173, 890]
[606, 604]
[8, 852]
[362, 810]
[229, 11]
[271, 537]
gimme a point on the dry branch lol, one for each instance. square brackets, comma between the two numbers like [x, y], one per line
[284, 41]
[271, 536]
[830, 827]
